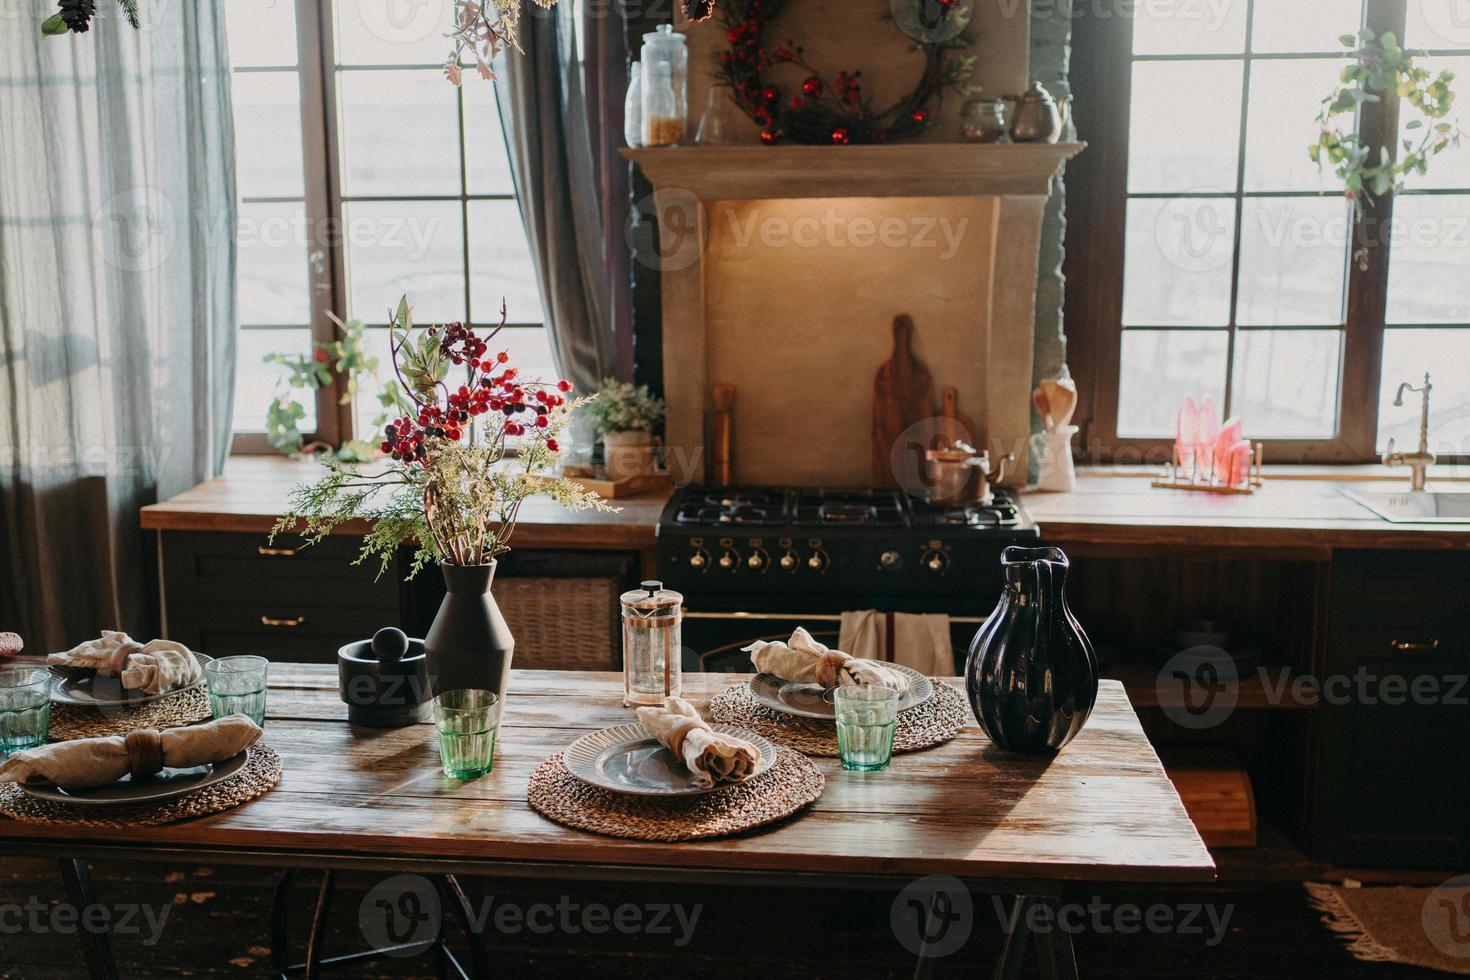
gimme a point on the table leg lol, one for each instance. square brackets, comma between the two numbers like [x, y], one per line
[280, 924]
[96, 946]
[1057, 960]
[1018, 938]
[318, 935]
[455, 898]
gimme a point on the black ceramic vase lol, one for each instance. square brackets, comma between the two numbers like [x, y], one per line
[1032, 674]
[469, 645]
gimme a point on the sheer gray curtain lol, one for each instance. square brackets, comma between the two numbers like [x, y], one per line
[544, 111]
[117, 306]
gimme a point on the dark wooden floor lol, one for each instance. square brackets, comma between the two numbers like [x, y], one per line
[217, 926]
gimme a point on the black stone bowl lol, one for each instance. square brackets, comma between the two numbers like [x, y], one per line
[384, 693]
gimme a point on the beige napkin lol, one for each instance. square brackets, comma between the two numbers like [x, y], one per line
[88, 762]
[920, 640]
[712, 757]
[802, 660]
[152, 668]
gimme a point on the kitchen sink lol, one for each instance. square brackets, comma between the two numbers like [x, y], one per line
[1416, 506]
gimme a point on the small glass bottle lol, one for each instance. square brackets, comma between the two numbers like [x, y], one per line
[665, 60]
[716, 126]
[652, 644]
[633, 108]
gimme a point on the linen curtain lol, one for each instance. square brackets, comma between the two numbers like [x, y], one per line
[543, 110]
[117, 306]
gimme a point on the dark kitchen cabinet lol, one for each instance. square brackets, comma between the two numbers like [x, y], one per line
[228, 593]
[1393, 782]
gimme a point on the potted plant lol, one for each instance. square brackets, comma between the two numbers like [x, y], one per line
[625, 417]
[462, 458]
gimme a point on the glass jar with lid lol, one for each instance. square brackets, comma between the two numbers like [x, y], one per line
[665, 60]
[652, 644]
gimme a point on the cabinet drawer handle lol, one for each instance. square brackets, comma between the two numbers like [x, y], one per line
[276, 552]
[1413, 646]
[292, 621]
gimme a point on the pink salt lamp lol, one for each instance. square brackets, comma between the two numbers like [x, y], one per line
[1186, 434]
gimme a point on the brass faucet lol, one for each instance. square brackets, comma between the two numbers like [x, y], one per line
[1419, 462]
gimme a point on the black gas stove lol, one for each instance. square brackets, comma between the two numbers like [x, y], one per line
[854, 546]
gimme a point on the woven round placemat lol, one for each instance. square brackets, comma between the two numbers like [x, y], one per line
[788, 786]
[923, 726]
[69, 722]
[260, 774]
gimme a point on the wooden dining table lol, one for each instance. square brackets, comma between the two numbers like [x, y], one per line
[1034, 829]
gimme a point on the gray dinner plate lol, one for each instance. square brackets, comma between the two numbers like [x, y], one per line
[811, 701]
[84, 688]
[127, 791]
[626, 760]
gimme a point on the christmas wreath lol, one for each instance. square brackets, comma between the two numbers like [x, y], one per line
[838, 111]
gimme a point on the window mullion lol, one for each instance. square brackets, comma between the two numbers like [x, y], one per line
[1245, 91]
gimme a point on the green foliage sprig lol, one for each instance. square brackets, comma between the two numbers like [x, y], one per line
[1381, 67]
[346, 356]
[620, 407]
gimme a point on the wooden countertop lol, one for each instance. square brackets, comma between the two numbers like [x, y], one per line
[1299, 513]
[1101, 810]
[254, 489]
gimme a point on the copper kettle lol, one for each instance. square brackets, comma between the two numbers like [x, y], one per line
[1039, 118]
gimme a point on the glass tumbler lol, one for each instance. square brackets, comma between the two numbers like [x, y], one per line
[867, 716]
[466, 722]
[237, 687]
[25, 709]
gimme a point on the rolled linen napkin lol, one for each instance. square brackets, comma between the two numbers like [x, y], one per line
[712, 757]
[802, 660]
[88, 762]
[152, 668]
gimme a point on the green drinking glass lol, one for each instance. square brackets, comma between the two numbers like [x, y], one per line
[25, 709]
[467, 722]
[867, 717]
[237, 687]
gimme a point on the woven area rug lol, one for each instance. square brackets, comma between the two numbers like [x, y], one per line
[1425, 927]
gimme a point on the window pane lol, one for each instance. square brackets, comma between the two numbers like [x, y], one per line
[268, 134]
[274, 287]
[1285, 383]
[255, 381]
[487, 168]
[1293, 260]
[1176, 267]
[1281, 124]
[1438, 24]
[261, 33]
[1184, 128]
[409, 247]
[400, 133]
[393, 32]
[1186, 27]
[1291, 25]
[365, 407]
[1407, 356]
[1429, 260]
[530, 352]
[1158, 369]
[500, 265]
[1450, 169]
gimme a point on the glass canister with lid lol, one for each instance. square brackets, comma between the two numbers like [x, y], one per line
[665, 60]
[652, 644]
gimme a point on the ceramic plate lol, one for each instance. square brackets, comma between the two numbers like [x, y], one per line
[85, 689]
[811, 701]
[127, 791]
[626, 760]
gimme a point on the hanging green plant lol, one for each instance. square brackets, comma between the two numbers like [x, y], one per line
[1381, 67]
[76, 16]
[345, 356]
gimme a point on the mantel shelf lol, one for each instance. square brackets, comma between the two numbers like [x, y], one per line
[723, 173]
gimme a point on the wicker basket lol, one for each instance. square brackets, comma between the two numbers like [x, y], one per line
[562, 623]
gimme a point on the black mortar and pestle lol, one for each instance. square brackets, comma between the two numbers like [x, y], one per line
[385, 680]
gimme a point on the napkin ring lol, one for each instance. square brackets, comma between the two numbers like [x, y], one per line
[145, 752]
[120, 657]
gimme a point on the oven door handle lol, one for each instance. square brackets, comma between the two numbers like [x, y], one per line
[808, 617]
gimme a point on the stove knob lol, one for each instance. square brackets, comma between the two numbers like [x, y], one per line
[936, 561]
[699, 561]
[817, 561]
[758, 560]
[890, 559]
[789, 561]
[729, 560]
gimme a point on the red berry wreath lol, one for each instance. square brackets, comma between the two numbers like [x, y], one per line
[839, 112]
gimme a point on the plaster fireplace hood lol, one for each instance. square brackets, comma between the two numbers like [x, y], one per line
[783, 267]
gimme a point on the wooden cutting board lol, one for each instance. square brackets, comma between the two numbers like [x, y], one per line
[903, 393]
[964, 428]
